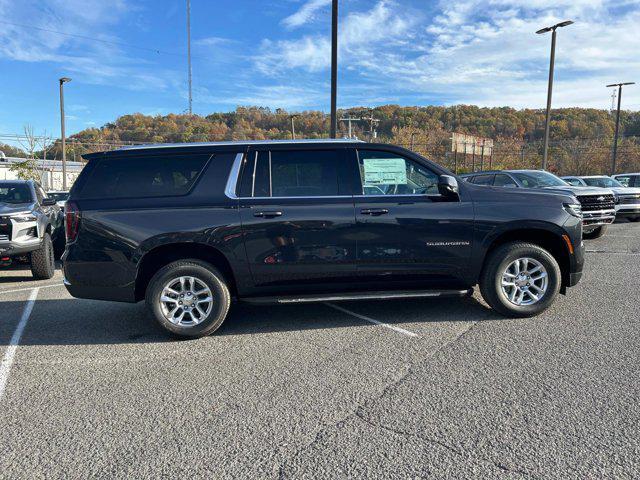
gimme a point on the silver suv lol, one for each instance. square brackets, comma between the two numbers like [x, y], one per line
[31, 226]
[627, 198]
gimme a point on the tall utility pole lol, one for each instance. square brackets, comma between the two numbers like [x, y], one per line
[334, 68]
[615, 137]
[373, 122]
[62, 81]
[189, 54]
[349, 120]
[550, 86]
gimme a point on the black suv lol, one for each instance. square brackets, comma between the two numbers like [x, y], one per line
[189, 227]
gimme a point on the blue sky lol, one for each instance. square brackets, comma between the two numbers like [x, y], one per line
[128, 56]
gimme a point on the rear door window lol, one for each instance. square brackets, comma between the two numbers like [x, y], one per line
[293, 173]
[144, 176]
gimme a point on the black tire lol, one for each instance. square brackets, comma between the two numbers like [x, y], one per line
[634, 219]
[498, 261]
[597, 233]
[203, 272]
[43, 265]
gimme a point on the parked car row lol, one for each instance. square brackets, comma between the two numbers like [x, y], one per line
[189, 228]
[602, 198]
[627, 198]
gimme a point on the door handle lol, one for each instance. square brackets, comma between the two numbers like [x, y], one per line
[374, 211]
[267, 214]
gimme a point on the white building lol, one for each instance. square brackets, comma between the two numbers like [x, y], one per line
[49, 171]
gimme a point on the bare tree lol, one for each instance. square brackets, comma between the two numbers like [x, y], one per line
[28, 168]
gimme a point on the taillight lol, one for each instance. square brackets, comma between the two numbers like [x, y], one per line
[71, 221]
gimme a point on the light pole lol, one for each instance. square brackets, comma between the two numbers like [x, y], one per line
[62, 81]
[615, 137]
[334, 68]
[189, 54]
[550, 87]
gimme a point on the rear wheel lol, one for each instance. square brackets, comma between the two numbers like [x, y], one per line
[43, 264]
[593, 234]
[189, 298]
[520, 279]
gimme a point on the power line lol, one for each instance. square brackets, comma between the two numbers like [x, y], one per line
[93, 39]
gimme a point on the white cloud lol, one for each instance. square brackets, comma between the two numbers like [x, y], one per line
[475, 51]
[359, 36]
[29, 36]
[306, 13]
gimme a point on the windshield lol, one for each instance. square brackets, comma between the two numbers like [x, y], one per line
[59, 196]
[535, 179]
[18, 193]
[603, 182]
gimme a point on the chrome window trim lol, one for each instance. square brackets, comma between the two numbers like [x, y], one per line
[253, 174]
[232, 181]
[296, 198]
[400, 195]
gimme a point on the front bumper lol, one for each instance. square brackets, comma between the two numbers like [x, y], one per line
[574, 279]
[597, 218]
[19, 248]
[627, 210]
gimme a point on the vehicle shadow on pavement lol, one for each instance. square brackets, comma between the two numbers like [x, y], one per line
[79, 322]
[247, 319]
[19, 272]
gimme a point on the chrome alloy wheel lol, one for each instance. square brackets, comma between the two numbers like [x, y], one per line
[186, 301]
[524, 281]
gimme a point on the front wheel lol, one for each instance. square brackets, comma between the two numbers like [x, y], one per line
[520, 279]
[43, 265]
[189, 298]
[634, 219]
[593, 234]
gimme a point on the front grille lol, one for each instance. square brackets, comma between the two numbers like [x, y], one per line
[597, 202]
[5, 228]
[629, 199]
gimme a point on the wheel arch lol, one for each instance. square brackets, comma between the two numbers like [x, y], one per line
[158, 257]
[550, 240]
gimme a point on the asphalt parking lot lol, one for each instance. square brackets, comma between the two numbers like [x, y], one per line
[453, 390]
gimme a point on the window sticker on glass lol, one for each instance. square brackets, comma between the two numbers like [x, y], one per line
[384, 171]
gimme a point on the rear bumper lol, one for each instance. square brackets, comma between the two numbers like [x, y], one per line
[101, 293]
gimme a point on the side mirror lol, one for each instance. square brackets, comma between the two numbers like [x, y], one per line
[448, 186]
[48, 202]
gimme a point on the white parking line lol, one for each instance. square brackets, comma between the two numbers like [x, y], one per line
[373, 320]
[7, 360]
[31, 288]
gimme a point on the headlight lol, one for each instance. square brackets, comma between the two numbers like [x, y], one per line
[574, 209]
[23, 217]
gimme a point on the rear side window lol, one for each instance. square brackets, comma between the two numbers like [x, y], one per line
[483, 180]
[142, 177]
[292, 173]
[503, 180]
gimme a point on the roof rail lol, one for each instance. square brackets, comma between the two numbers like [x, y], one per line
[240, 143]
